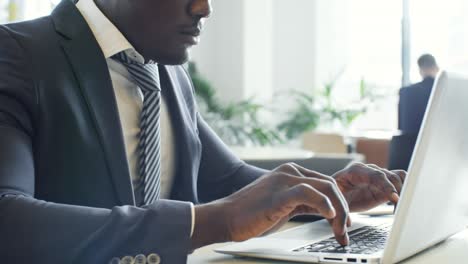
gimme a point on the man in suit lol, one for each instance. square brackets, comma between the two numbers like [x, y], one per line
[411, 110]
[414, 98]
[104, 157]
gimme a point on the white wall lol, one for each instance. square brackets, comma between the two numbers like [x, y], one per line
[257, 48]
[219, 56]
[295, 44]
[331, 37]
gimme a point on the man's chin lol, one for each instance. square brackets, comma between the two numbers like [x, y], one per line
[174, 59]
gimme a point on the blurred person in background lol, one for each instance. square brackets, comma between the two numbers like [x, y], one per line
[411, 109]
[414, 98]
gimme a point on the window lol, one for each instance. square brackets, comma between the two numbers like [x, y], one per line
[14, 10]
[440, 28]
[373, 48]
[374, 36]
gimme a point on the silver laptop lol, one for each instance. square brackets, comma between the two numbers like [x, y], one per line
[433, 204]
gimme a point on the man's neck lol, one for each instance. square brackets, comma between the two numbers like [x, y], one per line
[116, 12]
[430, 74]
[108, 8]
[113, 11]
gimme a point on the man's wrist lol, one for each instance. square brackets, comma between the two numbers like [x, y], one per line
[210, 225]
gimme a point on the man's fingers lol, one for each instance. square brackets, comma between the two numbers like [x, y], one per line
[299, 171]
[341, 239]
[401, 173]
[327, 203]
[331, 191]
[313, 174]
[380, 180]
[326, 187]
[348, 223]
[304, 194]
[287, 168]
[392, 176]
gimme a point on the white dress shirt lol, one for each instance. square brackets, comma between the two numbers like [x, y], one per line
[130, 98]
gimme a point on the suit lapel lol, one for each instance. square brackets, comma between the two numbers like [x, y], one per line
[92, 73]
[188, 145]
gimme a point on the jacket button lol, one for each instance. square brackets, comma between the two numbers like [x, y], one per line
[127, 260]
[140, 259]
[154, 259]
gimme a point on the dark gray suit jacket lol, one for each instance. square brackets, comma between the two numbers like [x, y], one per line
[65, 187]
[412, 105]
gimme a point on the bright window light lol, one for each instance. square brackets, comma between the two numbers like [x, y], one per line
[439, 28]
[25, 9]
[374, 50]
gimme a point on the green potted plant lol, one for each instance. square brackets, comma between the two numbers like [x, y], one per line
[322, 109]
[13, 10]
[237, 123]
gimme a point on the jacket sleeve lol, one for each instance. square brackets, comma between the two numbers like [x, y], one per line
[221, 171]
[35, 231]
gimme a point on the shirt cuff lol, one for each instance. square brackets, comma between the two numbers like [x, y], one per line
[192, 207]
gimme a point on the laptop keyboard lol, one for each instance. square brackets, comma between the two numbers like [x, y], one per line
[364, 240]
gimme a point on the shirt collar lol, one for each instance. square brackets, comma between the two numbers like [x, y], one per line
[109, 38]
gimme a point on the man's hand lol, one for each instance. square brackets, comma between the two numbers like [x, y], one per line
[367, 186]
[268, 202]
[291, 190]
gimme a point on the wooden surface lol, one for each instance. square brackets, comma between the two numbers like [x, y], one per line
[376, 151]
[454, 250]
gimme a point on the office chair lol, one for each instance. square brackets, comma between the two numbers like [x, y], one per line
[401, 150]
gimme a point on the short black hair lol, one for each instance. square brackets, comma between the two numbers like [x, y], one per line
[427, 61]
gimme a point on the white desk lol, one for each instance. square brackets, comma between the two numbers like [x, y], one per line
[454, 250]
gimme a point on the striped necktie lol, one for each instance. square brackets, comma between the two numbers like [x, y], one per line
[147, 78]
